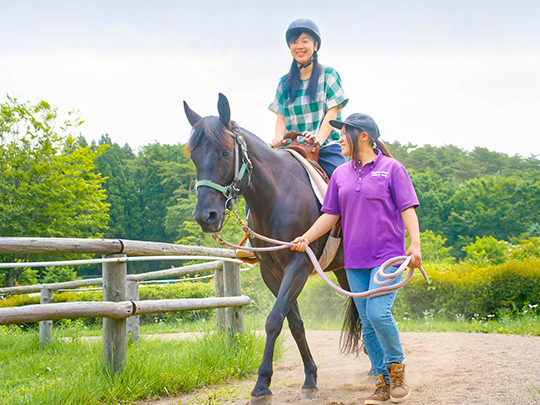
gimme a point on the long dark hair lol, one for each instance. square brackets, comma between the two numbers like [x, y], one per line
[353, 134]
[292, 81]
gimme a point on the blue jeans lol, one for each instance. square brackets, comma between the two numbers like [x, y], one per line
[379, 329]
[330, 157]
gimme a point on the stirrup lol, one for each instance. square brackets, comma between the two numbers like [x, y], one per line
[247, 256]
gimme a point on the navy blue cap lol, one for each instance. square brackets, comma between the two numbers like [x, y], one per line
[363, 122]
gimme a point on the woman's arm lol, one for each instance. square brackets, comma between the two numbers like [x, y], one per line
[322, 225]
[281, 129]
[325, 128]
[411, 224]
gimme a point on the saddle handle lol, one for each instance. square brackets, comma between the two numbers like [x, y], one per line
[292, 134]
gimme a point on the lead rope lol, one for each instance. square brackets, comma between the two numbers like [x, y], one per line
[389, 277]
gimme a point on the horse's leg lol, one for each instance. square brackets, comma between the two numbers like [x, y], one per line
[296, 324]
[293, 281]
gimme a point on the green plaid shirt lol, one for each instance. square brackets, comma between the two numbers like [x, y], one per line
[303, 115]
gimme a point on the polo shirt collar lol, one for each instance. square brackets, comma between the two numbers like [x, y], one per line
[374, 161]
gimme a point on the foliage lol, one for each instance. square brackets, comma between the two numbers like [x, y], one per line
[494, 290]
[168, 291]
[526, 249]
[59, 274]
[433, 248]
[31, 375]
[486, 250]
[48, 187]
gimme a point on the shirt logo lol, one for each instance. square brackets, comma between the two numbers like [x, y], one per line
[379, 173]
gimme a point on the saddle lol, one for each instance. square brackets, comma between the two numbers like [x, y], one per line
[310, 151]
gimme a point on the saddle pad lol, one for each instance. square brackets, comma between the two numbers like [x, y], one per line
[318, 184]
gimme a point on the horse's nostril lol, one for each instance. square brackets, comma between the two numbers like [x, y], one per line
[212, 217]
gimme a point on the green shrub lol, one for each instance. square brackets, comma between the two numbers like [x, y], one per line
[468, 289]
[486, 250]
[170, 291]
[60, 274]
[526, 249]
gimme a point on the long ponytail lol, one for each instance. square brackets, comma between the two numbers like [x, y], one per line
[381, 146]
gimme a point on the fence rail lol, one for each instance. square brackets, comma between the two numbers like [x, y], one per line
[121, 304]
[106, 247]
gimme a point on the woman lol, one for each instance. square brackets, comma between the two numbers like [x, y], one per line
[376, 200]
[309, 96]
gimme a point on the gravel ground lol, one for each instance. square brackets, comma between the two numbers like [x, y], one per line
[441, 368]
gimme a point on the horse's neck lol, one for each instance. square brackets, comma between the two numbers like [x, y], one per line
[269, 171]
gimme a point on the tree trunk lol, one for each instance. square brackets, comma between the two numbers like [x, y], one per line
[10, 278]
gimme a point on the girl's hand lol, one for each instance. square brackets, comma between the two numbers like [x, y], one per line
[416, 256]
[278, 142]
[310, 138]
[300, 244]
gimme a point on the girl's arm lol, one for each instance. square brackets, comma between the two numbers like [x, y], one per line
[411, 224]
[325, 128]
[281, 129]
[322, 225]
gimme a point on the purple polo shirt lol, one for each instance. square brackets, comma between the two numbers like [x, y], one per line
[370, 200]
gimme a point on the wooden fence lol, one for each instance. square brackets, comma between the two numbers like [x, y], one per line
[120, 290]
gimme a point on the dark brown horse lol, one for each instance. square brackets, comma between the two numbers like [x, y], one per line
[231, 161]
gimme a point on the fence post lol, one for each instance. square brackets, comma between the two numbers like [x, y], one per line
[220, 292]
[45, 327]
[114, 330]
[132, 323]
[234, 316]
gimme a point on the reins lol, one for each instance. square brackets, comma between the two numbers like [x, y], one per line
[403, 261]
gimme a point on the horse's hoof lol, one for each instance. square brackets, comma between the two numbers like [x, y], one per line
[309, 393]
[262, 400]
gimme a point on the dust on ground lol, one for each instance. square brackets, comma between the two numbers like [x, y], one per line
[441, 368]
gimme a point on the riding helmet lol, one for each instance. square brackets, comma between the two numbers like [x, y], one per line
[304, 25]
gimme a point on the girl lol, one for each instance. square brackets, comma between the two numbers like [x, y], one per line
[376, 200]
[309, 96]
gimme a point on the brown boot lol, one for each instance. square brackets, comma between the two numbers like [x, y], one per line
[399, 391]
[381, 394]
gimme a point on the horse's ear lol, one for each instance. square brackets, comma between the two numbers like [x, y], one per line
[224, 110]
[191, 115]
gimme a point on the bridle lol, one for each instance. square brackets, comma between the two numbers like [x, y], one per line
[242, 166]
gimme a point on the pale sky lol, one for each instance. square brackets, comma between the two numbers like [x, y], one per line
[461, 72]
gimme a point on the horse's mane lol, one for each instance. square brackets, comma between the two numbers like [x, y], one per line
[211, 128]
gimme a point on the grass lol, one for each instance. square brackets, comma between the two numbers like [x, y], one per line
[71, 371]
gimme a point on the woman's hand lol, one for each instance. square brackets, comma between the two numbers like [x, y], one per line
[416, 256]
[300, 244]
[309, 138]
[278, 142]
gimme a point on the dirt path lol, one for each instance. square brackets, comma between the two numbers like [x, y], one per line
[442, 368]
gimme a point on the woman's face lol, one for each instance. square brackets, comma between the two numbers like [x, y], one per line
[302, 48]
[345, 143]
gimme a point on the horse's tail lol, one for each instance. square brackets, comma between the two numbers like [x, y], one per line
[350, 340]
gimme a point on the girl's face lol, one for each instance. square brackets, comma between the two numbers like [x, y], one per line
[302, 48]
[345, 143]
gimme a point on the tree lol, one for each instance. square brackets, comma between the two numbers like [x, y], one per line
[48, 183]
[493, 206]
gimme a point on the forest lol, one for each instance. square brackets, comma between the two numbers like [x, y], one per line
[55, 183]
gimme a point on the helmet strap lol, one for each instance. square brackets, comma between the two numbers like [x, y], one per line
[300, 66]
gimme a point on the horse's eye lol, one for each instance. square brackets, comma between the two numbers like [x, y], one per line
[226, 153]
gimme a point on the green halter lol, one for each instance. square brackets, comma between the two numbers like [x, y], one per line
[231, 192]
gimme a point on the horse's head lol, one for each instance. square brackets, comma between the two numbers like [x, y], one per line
[218, 150]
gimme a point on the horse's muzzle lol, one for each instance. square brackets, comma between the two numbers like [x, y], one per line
[209, 220]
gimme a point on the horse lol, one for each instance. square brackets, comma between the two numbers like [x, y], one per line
[231, 161]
